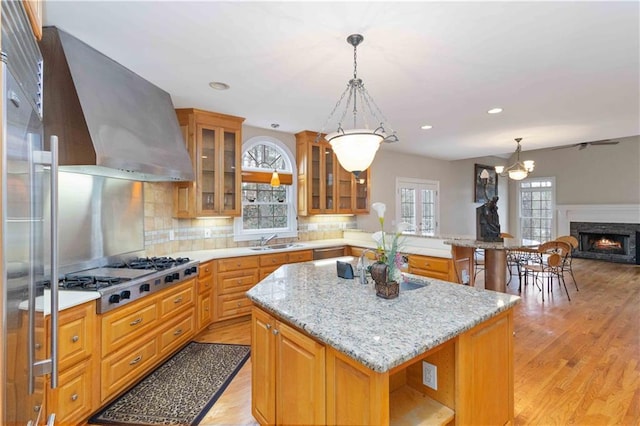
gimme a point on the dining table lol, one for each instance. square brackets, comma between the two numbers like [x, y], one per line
[495, 259]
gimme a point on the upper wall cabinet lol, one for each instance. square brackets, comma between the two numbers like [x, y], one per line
[324, 187]
[214, 142]
[34, 12]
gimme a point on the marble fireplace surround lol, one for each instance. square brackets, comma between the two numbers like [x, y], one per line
[600, 213]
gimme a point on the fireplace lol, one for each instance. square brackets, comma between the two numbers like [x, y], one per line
[614, 242]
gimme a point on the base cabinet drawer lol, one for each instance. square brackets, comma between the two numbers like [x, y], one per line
[232, 305]
[125, 366]
[123, 325]
[179, 298]
[236, 281]
[178, 332]
[72, 398]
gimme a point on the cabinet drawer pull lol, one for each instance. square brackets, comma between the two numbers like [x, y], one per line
[268, 326]
[74, 397]
[240, 281]
[74, 339]
[239, 265]
[178, 300]
[275, 331]
[135, 360]
[136, 322]
[38, 346]
[239, 304]
[206, 269]
[177, 332]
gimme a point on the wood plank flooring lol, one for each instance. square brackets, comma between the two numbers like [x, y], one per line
[576, 362]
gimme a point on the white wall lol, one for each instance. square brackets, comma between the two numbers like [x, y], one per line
[608, 174]
[457, 208]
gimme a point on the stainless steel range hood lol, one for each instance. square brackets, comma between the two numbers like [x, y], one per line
[110, 121]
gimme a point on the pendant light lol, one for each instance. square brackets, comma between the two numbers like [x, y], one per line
[518, 170]
[275, 179]
[356, 148]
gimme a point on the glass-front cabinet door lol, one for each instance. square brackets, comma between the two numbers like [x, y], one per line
[362, 190]
[345, 191]
[315, 169]
[329, 173]
[231, 145]
[207, 172]
[214, 141]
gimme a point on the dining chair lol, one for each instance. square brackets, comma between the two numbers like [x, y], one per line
[573, 242]
[549, 263]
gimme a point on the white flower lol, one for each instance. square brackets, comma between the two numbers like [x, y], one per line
[378, 237]
[379, 208]
[402, 226]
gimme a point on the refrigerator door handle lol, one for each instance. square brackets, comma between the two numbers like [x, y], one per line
[50, 365]
[54, 262]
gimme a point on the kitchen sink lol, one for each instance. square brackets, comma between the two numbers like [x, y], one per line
[275, 247]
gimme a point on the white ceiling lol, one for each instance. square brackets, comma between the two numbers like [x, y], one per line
[564, 72]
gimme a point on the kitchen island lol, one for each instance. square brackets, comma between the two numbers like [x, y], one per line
[326, 350]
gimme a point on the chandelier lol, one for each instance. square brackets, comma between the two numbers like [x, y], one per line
[356, 147]
[520, 169]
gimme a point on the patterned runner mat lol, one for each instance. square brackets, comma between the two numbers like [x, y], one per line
[181, 391]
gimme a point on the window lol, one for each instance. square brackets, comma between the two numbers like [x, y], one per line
[536, 200]
[417, 204]
[266, 210]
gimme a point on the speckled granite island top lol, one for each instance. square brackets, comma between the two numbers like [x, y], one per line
[378, 333]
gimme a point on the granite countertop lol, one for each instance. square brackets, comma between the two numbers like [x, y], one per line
[378, 333]
[507, 244]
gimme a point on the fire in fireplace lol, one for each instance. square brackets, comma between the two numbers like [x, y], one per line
[603, 243]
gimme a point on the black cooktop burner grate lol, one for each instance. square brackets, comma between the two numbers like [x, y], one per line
[154, 263]
[85, 282]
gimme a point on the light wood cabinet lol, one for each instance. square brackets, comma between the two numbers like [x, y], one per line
[324, 187]
[205, 295]
[75, 398]
[214, 142]
[138, 336]
[432, 267]
[292, 367]
[236, 275]
[34, 13]
[292, 373]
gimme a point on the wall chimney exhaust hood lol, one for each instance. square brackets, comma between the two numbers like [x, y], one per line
[110, 121]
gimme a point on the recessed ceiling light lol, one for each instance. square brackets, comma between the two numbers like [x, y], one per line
[218, 85]
[495, 111]
[426, 127]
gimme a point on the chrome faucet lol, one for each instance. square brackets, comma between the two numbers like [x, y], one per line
[363, 269]
[264, 241]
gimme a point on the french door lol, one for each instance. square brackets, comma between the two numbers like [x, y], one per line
[417, 205]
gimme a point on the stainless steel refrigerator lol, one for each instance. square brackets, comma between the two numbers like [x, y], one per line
[27, 171]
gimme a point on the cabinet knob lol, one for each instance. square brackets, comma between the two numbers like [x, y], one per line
[206, 269]
[239, 304]
[74, 339]
[74, 397]
[239, 281]
[275, 331]
[135, 360]
[268, 326]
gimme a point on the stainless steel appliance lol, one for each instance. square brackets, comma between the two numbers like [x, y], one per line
[123, 282]
[26, 171]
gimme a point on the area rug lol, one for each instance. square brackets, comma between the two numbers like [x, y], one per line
[181, 391]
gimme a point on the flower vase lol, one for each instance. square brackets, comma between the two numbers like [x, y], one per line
[384, 288]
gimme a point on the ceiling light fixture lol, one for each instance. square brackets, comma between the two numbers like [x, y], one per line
[218, 85]
[518, 170]
[356, 148]
[495, 111]
[275, 179]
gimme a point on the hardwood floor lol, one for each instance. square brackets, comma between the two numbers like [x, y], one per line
[576, 362]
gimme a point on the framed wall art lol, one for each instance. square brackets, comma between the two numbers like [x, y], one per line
[485, 183]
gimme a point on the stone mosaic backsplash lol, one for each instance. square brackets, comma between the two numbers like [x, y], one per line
[164, 234]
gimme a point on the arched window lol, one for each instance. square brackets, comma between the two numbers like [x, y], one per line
[266, 210]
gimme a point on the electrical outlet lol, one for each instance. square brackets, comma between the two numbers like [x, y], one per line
[171, 235]
[312, 227]
[207, 233]
[430, 375]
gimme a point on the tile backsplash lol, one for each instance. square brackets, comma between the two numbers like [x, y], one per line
[164, 235]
